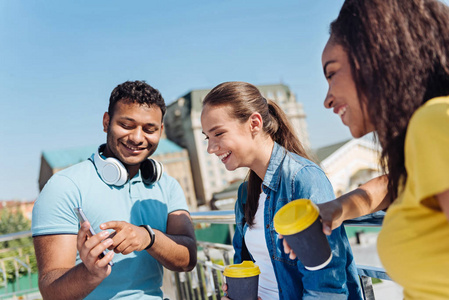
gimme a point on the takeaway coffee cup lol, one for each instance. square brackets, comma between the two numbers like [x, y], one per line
[300, 223]
[242, 280]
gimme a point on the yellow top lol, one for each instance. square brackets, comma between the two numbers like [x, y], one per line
[246, 269]
[295, 216]
[414, 241]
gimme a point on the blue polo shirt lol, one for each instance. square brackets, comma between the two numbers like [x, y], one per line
[136, 275]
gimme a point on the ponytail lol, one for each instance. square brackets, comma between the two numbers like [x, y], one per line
[245, 99]
[281, 130]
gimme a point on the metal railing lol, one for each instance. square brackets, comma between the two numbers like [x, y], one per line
[15, 258]
[206, 279]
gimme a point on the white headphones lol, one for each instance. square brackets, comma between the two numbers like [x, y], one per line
[113, 172]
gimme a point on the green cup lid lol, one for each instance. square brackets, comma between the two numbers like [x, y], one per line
[295, 216]
[246, 269]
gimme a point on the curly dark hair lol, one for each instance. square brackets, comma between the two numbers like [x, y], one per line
[136, 92]
[399, 56]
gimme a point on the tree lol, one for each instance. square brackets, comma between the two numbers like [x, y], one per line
[12, 220]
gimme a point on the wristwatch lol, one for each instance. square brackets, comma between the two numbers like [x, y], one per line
[152, 235]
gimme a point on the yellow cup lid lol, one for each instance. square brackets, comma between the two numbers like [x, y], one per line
[295, 216]
[246, 269]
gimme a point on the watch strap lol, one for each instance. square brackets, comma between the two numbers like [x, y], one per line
[152, 235]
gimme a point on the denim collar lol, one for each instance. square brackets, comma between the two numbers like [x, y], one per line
[272, 176]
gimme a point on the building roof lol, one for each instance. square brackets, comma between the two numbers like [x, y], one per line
[367, 140]
[325, 152]
[62, 158]
[229, 191]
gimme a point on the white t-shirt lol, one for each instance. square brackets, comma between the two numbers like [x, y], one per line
[257, 246]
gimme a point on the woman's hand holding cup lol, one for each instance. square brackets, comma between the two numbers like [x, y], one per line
[331, 215]
[299, 224]
[224, 287]
[287, 248]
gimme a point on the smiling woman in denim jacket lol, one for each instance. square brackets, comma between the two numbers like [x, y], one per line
[245, 130]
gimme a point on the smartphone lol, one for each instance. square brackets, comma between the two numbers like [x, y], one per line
[82, 218]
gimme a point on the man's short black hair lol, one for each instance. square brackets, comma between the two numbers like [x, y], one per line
[136, 92]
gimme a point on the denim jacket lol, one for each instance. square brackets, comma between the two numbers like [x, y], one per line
[289, 177]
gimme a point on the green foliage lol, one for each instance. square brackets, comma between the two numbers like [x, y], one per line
[376, 280]
[12, 220]
[15, 253]
[218, 262]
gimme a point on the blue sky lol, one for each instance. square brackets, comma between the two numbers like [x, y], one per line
[60, 61]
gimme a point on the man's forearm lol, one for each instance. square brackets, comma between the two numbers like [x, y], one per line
[74, 283]
[175, 252]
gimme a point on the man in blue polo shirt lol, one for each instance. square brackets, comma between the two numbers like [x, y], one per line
[138, 212]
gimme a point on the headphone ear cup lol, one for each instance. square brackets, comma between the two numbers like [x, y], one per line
[151, 171]
[114, 172]
[159, 169]
[110, 170]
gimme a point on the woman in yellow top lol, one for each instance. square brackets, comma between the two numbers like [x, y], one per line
[387, 66]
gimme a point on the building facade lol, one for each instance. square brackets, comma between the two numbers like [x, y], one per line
[183, 126]
[350, 163]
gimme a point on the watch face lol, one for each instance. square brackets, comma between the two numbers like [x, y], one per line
[151, 231]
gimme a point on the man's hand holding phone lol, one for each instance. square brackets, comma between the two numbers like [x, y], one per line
[92, 248]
